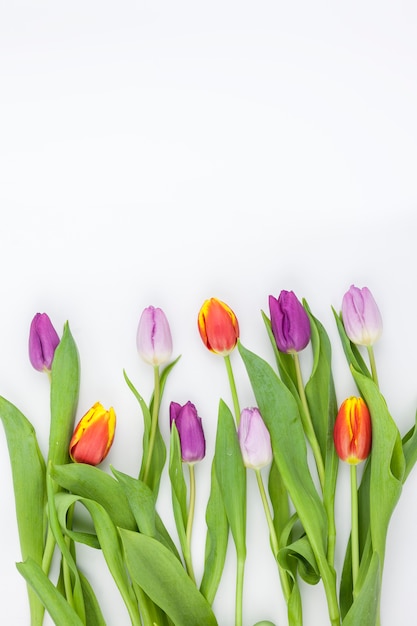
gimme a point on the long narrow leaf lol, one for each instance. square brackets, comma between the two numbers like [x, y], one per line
[28, 472]
[58, 608]
[92, 483]
[280, 412]
[231, 475]
[109, 543]
[65, 384]
[156, 570]
[216, 540]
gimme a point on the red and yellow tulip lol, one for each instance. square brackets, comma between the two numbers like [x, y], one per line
[93, 436]
[352, 432]
[218, 326]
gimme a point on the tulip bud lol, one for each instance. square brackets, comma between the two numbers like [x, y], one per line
[361, 317]
[218, 327]
[254, 439]
[43, 340]
[352, 432]
[93, 436]
[190, 431]
[154, 341]
[290, 322]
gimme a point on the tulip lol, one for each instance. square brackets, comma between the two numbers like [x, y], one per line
[218, 327]
[254, 439]
[154, 341]
[361, 317]
[93, 436]
[290, 322]
[43, 340]
[190, 431]
[352, 432]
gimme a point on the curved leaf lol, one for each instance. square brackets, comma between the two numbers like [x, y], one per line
[65, 384]
[28, 472]
[58, 608]
[156, 570]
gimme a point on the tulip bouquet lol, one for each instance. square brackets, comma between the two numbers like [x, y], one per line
[292, 437]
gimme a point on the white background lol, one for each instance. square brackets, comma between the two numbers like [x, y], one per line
[166, 152]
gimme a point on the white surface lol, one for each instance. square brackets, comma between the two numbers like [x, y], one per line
[166, 152]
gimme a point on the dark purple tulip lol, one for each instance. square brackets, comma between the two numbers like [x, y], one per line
[190, 431]
[289, 321]
[43, 340]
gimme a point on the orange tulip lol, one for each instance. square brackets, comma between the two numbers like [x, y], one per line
[93, 436]
[218, 327]
[352, 432]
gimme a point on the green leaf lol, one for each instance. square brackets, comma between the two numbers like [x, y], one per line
[28, 472]
[92, 483]
[178, 488]
[387, 463]
[351, 351]
[285, 362]
[65, 384]
[156, 570]
[159, 451]
[364, 610]
[109, 541]
[322, 402]
[231, 475]
[163, 379]
[216, 540]
[410, 449]
[61, 612]
[142, 502]
[93, 614]
[298, 556]
[280, 412]
[279, 499]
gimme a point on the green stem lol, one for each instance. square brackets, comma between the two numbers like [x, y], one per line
[373, 364]
[329, 582]
[48, 551]
[355, 525]
[154, 422]
[65, 567]
[232, 388]
[308, 424]
[273, 536]
[190, 518]
[239, 590]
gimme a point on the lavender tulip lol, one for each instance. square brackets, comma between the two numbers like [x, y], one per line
[361, 317]
[154, 341]
[254, 439]
[190, 431]
[290, 322]
[43, 340]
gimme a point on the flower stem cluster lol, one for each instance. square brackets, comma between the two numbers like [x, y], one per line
[294, 415]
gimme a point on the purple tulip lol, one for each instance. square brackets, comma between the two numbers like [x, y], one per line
[154, 341]
[43, 340]
[254, 439]
[289, 321]
[190, 431]
[361, 317]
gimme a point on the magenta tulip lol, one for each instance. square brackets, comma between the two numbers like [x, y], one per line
[290, 322]
[43, 340]
[190, 431]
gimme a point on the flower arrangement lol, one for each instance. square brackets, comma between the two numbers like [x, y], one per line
[293, 438]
